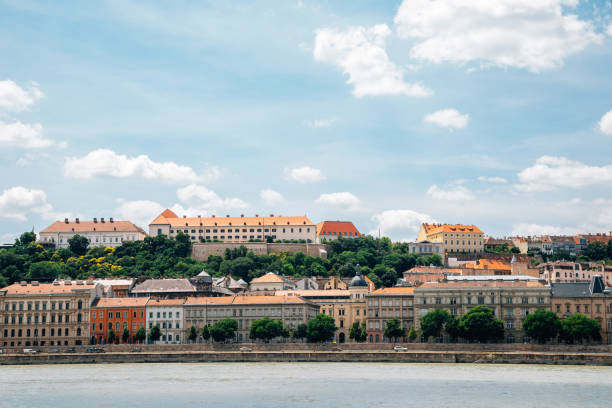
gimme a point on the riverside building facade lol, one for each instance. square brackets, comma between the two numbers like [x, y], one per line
[116, 315]
[168, 314]
[389, 303]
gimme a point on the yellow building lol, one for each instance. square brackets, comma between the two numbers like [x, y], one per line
[454, 237]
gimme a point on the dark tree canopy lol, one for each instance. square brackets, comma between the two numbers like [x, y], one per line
[358, 332]
[78, 244]
[321, 328]
[266, 329]
[542, 325]
[578, 327]
[481, 325]
[223, 330]
[155, 333]
[394, 329]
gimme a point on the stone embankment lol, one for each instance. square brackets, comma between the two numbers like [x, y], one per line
[428, 353]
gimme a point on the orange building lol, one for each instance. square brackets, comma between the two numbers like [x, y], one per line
[117, 314]
[329, 230]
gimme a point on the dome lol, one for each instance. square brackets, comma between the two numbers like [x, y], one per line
[358, 279]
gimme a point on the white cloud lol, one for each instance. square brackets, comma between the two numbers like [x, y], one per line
[492, 179]
[211, 173]
[550, 172]
[360, 53]
[271, 197]
[199, 197]
[536, 35]
[450, 118]
[399, 222]
[605, 124]
[305, 174]
[458, 193]
[16, 99]
[527, 229]
[609, 30]
[17, 202]
[320, 123]
[140, 212]
[344, 199]
[24, 135]
[605, 218]
[105, 162]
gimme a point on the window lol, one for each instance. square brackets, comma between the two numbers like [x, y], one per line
[481, 300]
[509, 324]
[508, 300]
[524, 300]
[438, 301]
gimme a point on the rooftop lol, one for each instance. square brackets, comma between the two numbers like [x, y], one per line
[47, 288]
[169, 218]
[269, 277]
[498, 283]
[242, 300]
[315, 293]
[437, 228]
[121, 302]
[339, 227]
[482, 264]
[91, 226]
[396, 290]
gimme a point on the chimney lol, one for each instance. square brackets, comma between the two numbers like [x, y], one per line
[34, 283]
[213, 215]
[111, 219]
[66, 220]
[227, 215]
[95, 220]
[184, 216]
[23, 283]
[242, 215]
[271, 215]
[257, 215]
[101, 219]
[77, 220]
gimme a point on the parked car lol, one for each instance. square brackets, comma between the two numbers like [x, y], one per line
[136, 350]
[95, 350]
[336, 349]
[70, 350]
[243, 348]
[30, 351]
[400, 348]
[54, 351]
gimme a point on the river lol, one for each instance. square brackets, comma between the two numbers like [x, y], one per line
[304, 385]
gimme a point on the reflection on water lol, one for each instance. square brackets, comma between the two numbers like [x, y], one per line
[305, 385]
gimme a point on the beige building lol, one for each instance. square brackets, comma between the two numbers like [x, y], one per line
[235, 229]
[589, 298]
[291, 310]
[454, 237]
[271, 281]
[45, 314]
[104, 233]
[510, 300]
[331, 230]
[385, 304]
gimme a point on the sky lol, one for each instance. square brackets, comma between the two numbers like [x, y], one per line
[496, 113]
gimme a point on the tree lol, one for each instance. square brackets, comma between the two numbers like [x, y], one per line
[412, 334]
[125, 336]
[578, 327]
[394, 329]
[375, 279]
[111, 336]
[515, 250]
[266, 329]
[389, 279]
[141, 335]
[223, 329]
[205, 333]
[43, 271]
[25, 238]
[358, 332]
[480, 324]
[155, 333]
[78, 244]
[193, 334]
[183, 245]
[597, 251]
[321, 328]
[542, 325]
[434, 322]
[301, 331]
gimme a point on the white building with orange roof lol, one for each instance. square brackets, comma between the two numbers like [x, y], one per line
[271, 281]
[235, 229]
[168, 314]
[331, 230]
[454, 237]
[105, 233]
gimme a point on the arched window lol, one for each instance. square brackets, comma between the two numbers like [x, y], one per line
[80, 305]
[78, 332]
[79, 317]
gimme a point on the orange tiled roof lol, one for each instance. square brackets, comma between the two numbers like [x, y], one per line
[434, 270]
[242, 300]
[489, 284]
[231, 221]
[488, 264]
[121, 302]
[90, 226]
[269, 277]
[220, 300]
[436, 228]
[163, 217]
[314, 293]
[45, 288]
[338, 227]
[396, 290]
[165, 302]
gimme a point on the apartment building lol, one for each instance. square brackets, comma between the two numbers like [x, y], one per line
[454, 237]
[45, 314]
[116, 315]
[385, 304]
[426, 248]
[331, 230]
[291, 310]
[168, 314]
[234, 229]
[510, 300]
[562, 271]
[106, 233]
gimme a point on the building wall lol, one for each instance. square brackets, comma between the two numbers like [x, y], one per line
[238, 233]
[382, 307]
[201, 251]
[117, 318]
[111, 239]
[426, 248]
[596, 307]
[170, 320]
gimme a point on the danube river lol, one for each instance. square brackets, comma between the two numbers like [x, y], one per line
[304, 385]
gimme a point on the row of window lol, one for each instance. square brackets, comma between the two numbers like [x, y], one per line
[582, 308]
[43, 319]
[247, 312]
[166, 325]
[236, 230]
[116, 315]
[43, 333]
[350, 234]
[118, 326]
[40, 305]
[163, 314]
[385, 302]
[481, 300]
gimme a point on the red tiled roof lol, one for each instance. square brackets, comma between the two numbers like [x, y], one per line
[436, 228]
[121, 302]
[489, 264]
[337, 227]
[396, 290]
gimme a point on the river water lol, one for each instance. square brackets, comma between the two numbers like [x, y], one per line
[304, 385]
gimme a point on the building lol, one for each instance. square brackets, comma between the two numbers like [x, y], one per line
[510, 300]
[331, 230]
[521, 244]
[564, 245]
[116, 315]
[589, 298]
[271, 281]
[426, 248]
[421, 274]
[486, 267]
[542, 245]
[291, 310]
[114, 287]
[231, 284]
[385, 304]
[179, 288]
[454, 237]
[492, 243]
[109, 233]
[45, 314]
[235, 229]
[168, 314]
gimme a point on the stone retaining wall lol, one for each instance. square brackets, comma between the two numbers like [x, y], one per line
[201, 251]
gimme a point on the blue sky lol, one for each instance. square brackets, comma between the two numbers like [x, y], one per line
[385, 113]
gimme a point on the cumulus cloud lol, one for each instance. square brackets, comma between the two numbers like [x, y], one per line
[271, 197]
[14, 98]
[320, 123]
[605, 124]
[609, 30]
[450, 118]
[458, 193]
[360, 53]
[399, 223]
[526, 229]
[535, 35]
[550, 172]
[305, 174]
[492, 179]
[17, 202]
[140, 212]
[200, 197]
[28, 136]
[105, 162]
[344, 199]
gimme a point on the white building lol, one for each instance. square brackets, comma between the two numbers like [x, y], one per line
[168, 314]
[426, 248]
[103, 233]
